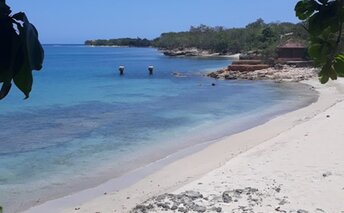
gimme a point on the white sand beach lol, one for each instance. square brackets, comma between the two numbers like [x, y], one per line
[293, 163]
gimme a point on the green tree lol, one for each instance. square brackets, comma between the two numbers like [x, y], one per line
[20, 52]
[255, 36]
[259, 23]
[324, 22]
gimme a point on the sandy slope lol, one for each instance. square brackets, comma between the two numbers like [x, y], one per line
[302, 169]
[296, 162]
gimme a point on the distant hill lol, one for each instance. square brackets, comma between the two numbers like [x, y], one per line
[256, 36]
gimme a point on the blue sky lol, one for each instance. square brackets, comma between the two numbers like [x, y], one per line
[74, 21]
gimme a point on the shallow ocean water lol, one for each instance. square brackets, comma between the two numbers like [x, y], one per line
[84, 124]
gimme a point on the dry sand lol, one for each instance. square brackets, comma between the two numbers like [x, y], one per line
[293, 162]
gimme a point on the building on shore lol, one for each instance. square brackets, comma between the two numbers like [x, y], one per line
[292, 50]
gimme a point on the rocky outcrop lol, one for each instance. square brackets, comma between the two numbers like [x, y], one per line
[188, 52]
[251, 55]
[278, 74]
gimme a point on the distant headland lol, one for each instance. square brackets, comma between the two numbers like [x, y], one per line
[259, 37]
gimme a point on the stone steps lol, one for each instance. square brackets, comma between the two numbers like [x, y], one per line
[247, 65]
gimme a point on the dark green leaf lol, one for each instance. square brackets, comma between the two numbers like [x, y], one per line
[5, 88]
[325, 28]
[2, 76]
[304, 9]
[35, 52]
[27, 55]
[332, 73]
[323, 1]
[4, 9]
[318, 23]
[19, 54]
[7, 38]
[324, 78]
[341, 15]
[325, 50]
[23, 80]
[339, 65]
[326, 16]
[8, 43]
[315, 50]
[324, 75]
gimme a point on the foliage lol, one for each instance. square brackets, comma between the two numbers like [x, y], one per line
[255, 36]
[131, 42]
[20, 53]
[0, 209]
[324, 20]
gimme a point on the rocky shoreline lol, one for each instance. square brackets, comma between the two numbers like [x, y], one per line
[278, 73]
[194, 52]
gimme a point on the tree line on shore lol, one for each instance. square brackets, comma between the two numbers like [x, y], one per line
[130, 42]
[257, 35]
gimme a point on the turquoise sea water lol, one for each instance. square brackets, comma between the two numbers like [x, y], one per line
[85, 124]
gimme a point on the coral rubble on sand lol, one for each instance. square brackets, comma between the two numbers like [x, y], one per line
[236, 200]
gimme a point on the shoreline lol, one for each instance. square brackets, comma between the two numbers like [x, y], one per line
[214, 134]
[138, 192]
[300, 170]
[185, 53]
[223, 128]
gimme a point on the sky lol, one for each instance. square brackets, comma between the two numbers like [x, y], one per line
[74, 21]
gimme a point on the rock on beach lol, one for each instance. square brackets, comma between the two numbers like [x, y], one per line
[280, 74]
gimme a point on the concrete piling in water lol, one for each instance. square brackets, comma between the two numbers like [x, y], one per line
[121, 70]
[150, 70]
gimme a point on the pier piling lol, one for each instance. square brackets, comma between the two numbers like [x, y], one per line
[121, 70]
[150, 70]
